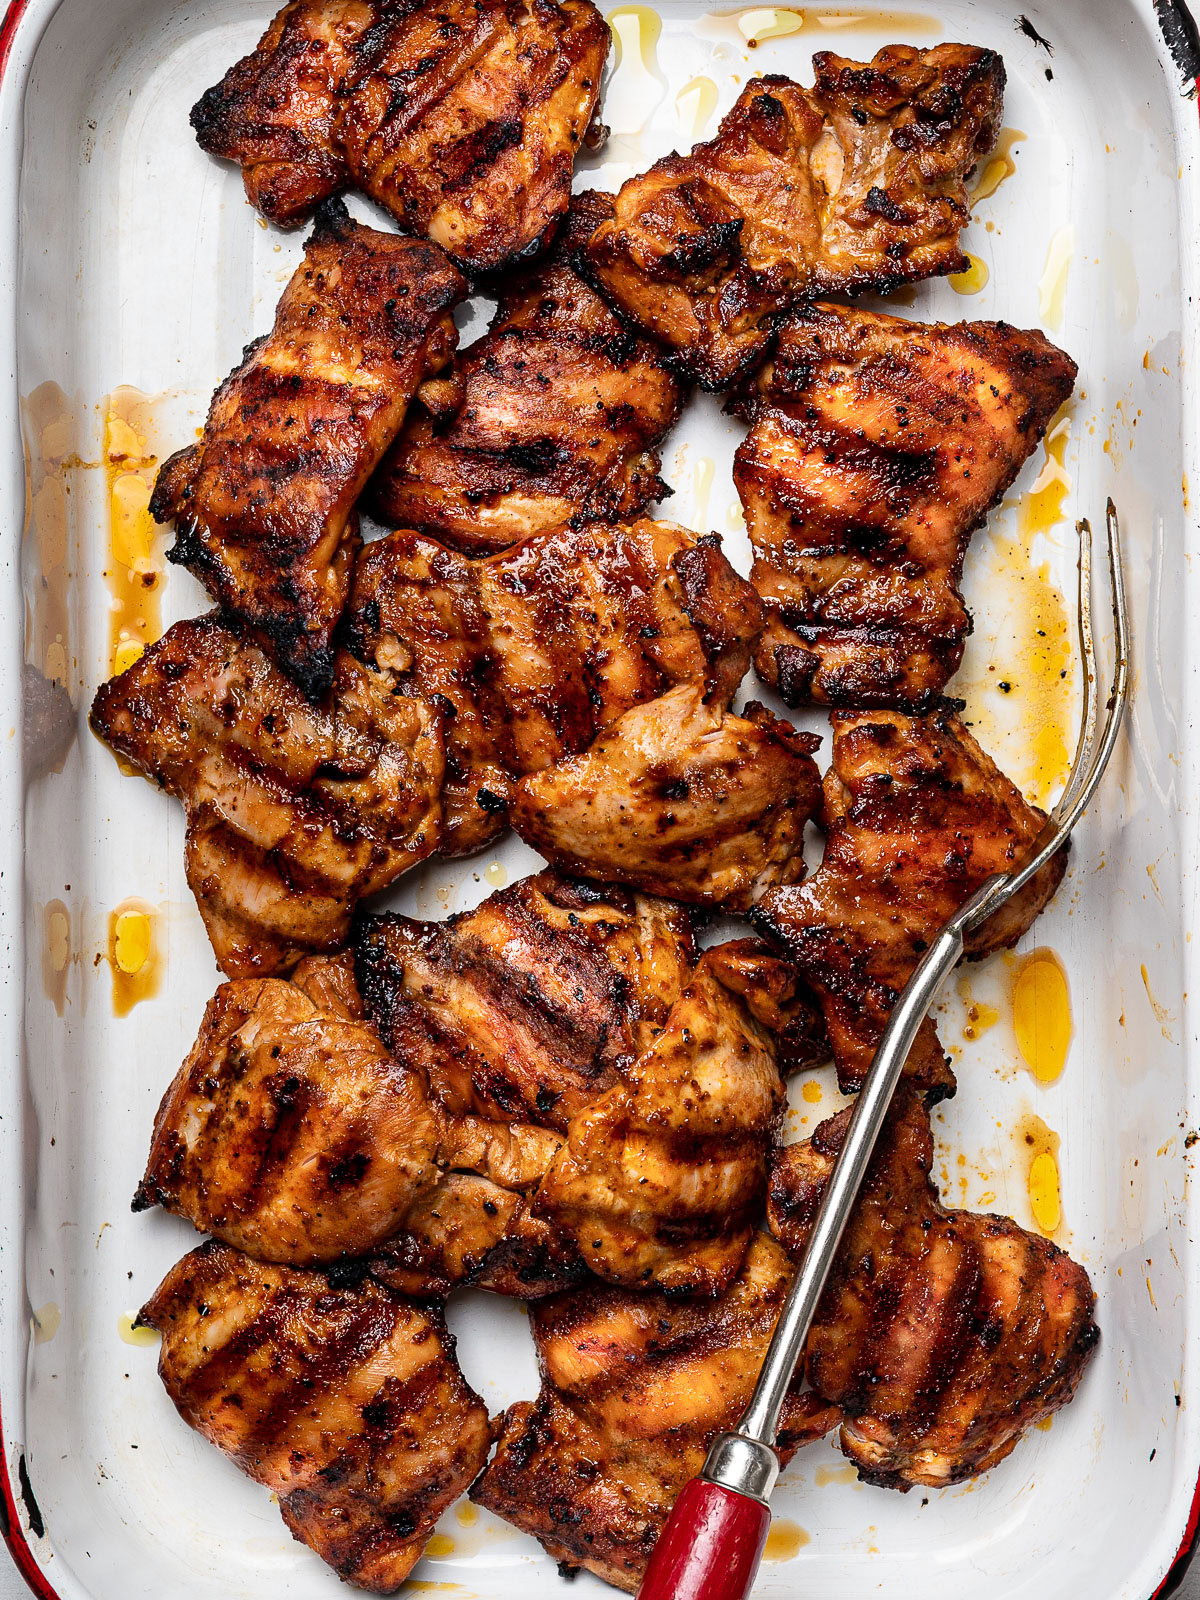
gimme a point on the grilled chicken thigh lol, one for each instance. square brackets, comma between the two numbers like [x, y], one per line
[942, 1335]
[661, 1178]
[634, 1389]
[917, 816]
[348, 1403]
[264, 503]
[462, 120]
[294, 811]
[857, 183]
[681, 798]
[538, 648]
[553, 416]
[876, 450]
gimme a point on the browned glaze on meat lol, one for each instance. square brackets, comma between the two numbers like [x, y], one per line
[348, 1403]
[942, 1335]
[854, 184]
[518, 1014]
[681, 798]
[462, 120]
[634, 1389]
[264, 503]
[294, 811]
[876, 449]
[777, 997]
[661, 1179]
[538, 648]
[553, 416]
[917, 816]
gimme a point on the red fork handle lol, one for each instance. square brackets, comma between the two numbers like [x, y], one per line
[710, 1548]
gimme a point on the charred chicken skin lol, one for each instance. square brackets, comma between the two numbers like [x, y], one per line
[264, 503]
[348, 1403]
[876, 449]
[917, 816]
[553, 416]
[294, 811]
[942, 1335]
[857, 183]
[538, 648]
[634, 1389]
[462, 120]
[678, 797]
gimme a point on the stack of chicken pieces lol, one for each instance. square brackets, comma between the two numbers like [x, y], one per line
[560, 1096]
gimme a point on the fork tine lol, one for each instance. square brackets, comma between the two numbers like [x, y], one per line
[1085, 744]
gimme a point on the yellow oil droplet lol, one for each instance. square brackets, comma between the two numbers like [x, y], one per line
[1052, 286]
[811, 1092]
[440, 1544]
[1044, 1424]
[768, 22]
[143, 1337]
[466, 1515]
[637, 85]
[827, 1475]
[785, 1540]
[1150, 1292]
[134, 954]
[1161, 1015]
[136, 566]
[999, 165]
[56, 953]
[496, 874]
[972, 279]
[1041, 1002]
[1039, 1145]
[695, 104]
[1042, 508]
[45, 1322]
[702, 482]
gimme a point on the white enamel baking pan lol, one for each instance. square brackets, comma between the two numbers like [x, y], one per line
[129, 258]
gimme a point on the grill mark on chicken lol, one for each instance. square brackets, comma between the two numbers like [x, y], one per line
[264, 503]
[538, 648]
[877, 448]
[348, 1403]
[463, 121]
[857, 183]
[294, 811]
[553, 416]
[634, 1389]
[917, 816]
[942, 1336]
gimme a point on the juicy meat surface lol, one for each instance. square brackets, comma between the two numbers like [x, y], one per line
[264, 503]
[518, 1014]
[538, 648]
[916, 816]
[942, 1335]
[553, 416]
[348, 1403]
[857, 183]
[776, 997]
[463, 120]
[661, 1179]
[634, 1389]
[294, 811]
[876, 449]
[678, 797]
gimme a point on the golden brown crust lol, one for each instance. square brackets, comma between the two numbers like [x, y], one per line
[855, 184]
[463, 120]
[877, 448]
[538, 648]
[917, 817]
[294, 811]
[942, 1335]
[634, 1389]
[348, 1403]
[553, 416]
[264, 502]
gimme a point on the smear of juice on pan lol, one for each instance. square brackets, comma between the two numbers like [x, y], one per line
[45, 1322]
[440, 1544]
[48, 424]
[1041, 1002]
[759, 23]
[637, 83]
[999, 166]
[972, 279]
[785, 1540]
[56, 953]
[142, 1337]
[695, 104]
[135, 567]
[827, 1475]
[979, 1015]
[1042, 508]
[702, 481]
[1052, 286]
[135, 954]
[466, 1515]
[1039, 1146]
[811, 1092]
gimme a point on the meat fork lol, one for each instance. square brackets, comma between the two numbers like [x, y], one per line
[713, 1541]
